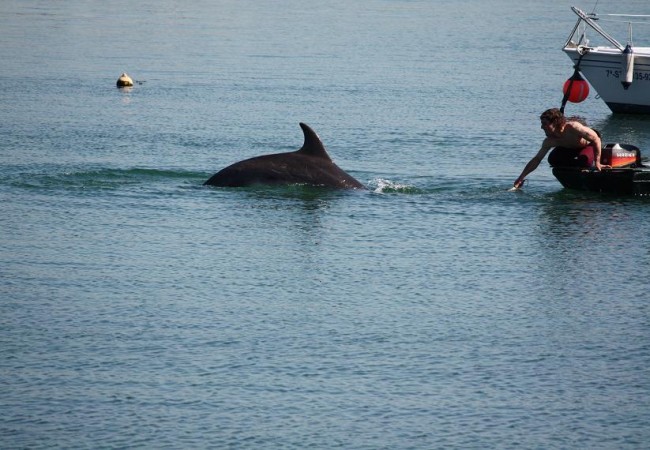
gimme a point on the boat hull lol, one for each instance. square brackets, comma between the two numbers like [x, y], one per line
[603, 68]
[624, 181]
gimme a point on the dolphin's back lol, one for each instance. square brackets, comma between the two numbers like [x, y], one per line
[284, 168]
[309, 165]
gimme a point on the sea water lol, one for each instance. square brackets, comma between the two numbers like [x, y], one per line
[140, 309]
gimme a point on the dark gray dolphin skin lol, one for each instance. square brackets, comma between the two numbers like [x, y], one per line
[310, 165]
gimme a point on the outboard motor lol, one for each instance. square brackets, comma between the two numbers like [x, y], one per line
[621, 155]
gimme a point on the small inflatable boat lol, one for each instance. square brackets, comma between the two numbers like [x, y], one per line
[627, 175]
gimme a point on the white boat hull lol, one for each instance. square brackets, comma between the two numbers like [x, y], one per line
[603, 69]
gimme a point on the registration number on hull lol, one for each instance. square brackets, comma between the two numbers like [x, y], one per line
[638, 76]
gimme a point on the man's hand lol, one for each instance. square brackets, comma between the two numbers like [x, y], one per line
[517, 185]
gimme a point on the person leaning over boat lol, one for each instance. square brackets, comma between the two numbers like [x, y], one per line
[576, 145]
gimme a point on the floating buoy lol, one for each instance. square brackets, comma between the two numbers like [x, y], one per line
[124, 81]
[628, 66]
[577, 87]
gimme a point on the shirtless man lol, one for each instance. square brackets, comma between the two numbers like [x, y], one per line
[571, 139]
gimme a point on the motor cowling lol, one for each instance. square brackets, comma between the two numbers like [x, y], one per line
[620, 155]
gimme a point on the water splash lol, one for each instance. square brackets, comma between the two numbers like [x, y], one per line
[383, 186]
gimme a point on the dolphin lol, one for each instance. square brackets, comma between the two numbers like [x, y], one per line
[310, 165]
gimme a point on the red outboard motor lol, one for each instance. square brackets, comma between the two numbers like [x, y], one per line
[621, 155]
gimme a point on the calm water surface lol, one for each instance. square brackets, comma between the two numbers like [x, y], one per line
[139, 309]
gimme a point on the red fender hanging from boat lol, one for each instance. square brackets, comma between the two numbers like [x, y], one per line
[577, 88]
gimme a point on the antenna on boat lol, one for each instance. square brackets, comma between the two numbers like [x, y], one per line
[593, 11]
[629, 33]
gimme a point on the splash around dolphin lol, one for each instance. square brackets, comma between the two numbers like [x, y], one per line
[311, 165]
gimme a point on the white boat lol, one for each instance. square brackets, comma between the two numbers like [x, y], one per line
[619, 73]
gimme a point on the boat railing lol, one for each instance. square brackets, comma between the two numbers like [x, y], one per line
[589, 20]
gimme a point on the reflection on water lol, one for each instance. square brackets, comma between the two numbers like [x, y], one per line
[582, 233]
[626, 129]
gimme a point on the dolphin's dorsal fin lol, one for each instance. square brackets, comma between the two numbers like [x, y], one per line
[313, 146]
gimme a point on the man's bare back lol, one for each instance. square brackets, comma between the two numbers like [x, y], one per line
[572, 135]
